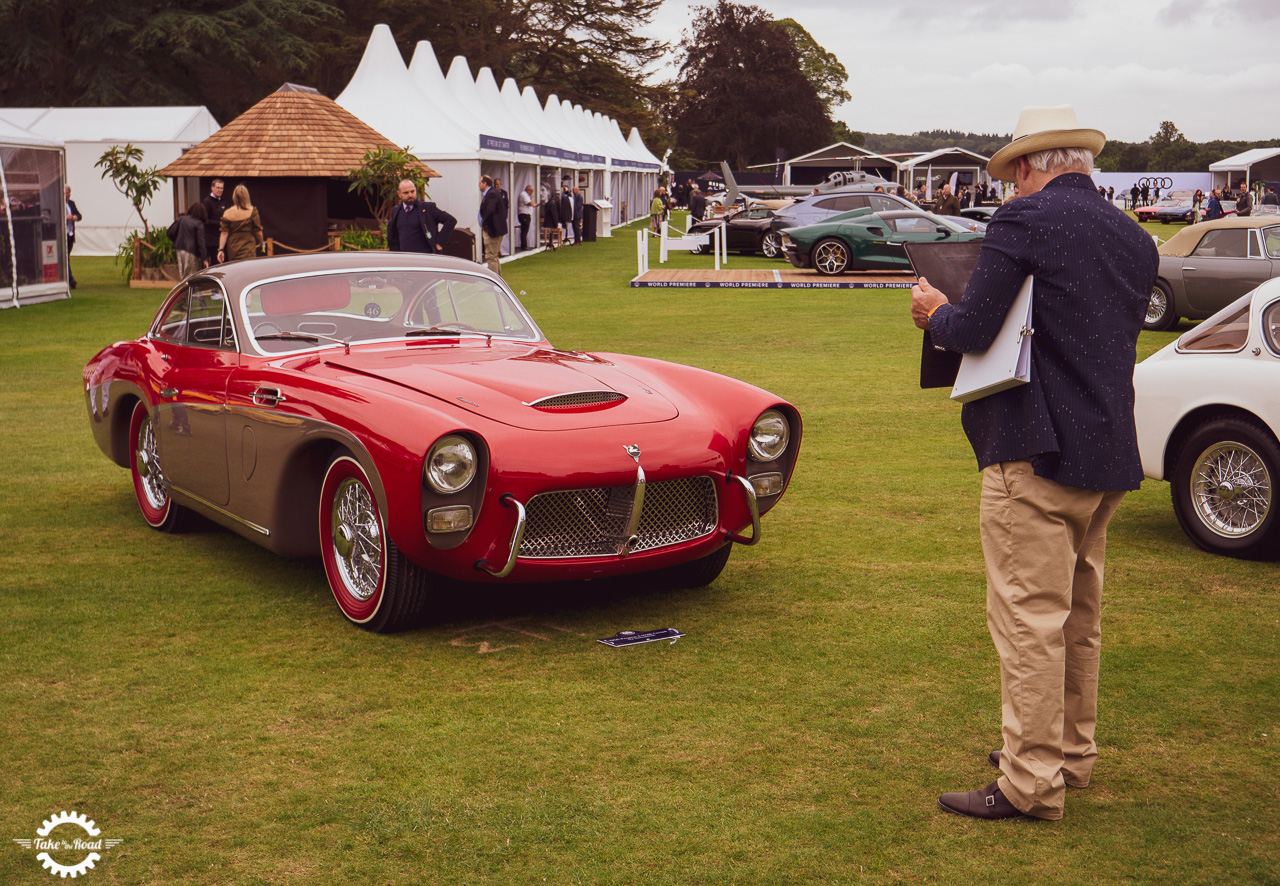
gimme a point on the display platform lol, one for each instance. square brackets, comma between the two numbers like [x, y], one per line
[788, 278]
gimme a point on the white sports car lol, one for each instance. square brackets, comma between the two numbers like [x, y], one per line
[1208, 415]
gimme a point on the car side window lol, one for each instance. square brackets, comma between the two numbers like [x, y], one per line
[1224, 243]
[1271, 236]
[207, 321]
[173, 327]
[1271, 326]
[1255, 244]
[828, 204]
[1228, 330]
[882, 204]
[850, 202]
[914, 224]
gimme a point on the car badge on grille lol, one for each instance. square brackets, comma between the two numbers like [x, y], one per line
[634, 451]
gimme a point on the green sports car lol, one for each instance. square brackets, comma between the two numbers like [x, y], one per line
[863, 240]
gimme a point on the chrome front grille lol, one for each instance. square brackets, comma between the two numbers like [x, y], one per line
[593, 522]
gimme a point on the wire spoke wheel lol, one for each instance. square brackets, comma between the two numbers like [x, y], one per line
[1231, 489]
[150, 473]
[1157, 306]
[357, 539]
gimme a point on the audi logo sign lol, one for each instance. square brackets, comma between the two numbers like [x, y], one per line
[1155, 181]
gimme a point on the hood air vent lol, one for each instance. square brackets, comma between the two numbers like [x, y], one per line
[577, 400]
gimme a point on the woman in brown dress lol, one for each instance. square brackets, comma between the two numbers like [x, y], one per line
[241, 228]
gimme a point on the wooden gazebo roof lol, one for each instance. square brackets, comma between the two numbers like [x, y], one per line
[287, 134]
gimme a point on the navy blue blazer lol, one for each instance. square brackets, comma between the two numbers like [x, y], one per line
[436, 225]
[1094, 269]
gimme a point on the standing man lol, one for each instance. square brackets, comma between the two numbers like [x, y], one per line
[213, 207]
[566, 212]
[73, 216]
[1057, 454]
[417, 225]
[577, 216]
[1244, 203]
[1213, 209]
[525, 215]
[493, 224]
[948, 203]
[1133, 197]
[506, 199]
[1270, 199]
[697, 205]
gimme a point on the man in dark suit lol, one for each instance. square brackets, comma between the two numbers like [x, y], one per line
[566, 212]
[577, 216]
[697, 205]
[417, 225]
[214, 206]
[493, 224]
[1057, 453]
[73, 216]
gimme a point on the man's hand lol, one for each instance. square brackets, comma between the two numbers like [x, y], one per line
[924, 298]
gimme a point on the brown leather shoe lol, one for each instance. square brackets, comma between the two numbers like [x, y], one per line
[994, 758]
[986, 803]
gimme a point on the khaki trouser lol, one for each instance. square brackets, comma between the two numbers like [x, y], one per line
[1044, 545]
[492, 251]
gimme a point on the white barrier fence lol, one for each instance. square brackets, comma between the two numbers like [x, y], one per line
[666, 243]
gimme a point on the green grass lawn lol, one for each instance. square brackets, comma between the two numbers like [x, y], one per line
[204, 700]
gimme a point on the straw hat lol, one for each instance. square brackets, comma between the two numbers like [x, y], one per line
[1040, 129]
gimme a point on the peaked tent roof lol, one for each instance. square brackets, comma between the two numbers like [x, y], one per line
[286, 134]
[184, 123]
[16, 135]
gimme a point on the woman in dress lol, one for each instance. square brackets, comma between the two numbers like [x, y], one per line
[241, 228]
[1197, 206]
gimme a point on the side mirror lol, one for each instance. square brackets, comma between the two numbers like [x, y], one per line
[943, 230]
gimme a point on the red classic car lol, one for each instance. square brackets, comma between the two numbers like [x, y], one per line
[402, 417]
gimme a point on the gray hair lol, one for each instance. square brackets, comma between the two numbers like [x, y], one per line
[1060, 160]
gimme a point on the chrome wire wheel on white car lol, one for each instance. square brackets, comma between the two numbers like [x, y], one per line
[830, 257]
[1222, 488]
[771, 245]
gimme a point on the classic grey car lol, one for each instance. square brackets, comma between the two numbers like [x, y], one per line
[1207, 266]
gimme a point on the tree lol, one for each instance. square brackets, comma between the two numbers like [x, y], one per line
[822, 68]
[138, 183]
[741, 92]
[378, 178]
[146, 52]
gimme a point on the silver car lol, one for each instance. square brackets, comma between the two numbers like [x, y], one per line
[820, 207]
[1207, 266]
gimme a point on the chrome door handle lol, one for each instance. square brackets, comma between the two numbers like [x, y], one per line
[1185, 268]
[267, 396]
[168, 393]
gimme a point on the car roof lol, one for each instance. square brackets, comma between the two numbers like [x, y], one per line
[1182, 243]
[239, 274]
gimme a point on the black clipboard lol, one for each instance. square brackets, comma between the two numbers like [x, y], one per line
[948, 266]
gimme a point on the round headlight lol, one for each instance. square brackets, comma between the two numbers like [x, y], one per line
[451, 464]
[769, 436]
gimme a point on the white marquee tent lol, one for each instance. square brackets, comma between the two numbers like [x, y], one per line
[33, 255]
[162, 134]
[465, 127]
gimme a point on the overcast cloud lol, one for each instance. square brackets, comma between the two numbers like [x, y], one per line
[1210, 66]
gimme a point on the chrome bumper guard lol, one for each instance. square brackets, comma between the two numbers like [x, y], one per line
[754, 507]
[517, 536]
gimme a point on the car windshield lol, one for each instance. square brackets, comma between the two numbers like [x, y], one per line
[334, 309]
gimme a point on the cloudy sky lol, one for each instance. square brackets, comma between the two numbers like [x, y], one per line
[1210, 66]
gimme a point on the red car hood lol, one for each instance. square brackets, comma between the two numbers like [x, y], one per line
[501, 382]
